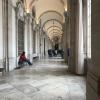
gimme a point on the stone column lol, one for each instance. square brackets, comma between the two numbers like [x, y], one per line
[93, 77]
[72, 11]
[37, 41]
[65, 38]
[1, 33]
[47, 45]
[11, 35]
[76, 51]
[28, 36]
[42, 45]
[30, 40]
[16, 22]
[33, 37]
[85, 35]
[5, 34]
[79, 40]
[40, 42]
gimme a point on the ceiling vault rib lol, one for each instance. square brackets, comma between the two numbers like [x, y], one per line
[51, 20]
[55, 30]
[50, 11]
[54, 26]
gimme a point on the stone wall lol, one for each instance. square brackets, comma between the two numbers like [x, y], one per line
[93, 78]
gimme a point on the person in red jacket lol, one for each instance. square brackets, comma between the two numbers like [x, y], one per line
[23, 59]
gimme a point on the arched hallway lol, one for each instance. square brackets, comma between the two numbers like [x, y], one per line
[44, 33]
[47, 79]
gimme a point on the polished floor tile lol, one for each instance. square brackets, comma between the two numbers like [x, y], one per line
[47, 79]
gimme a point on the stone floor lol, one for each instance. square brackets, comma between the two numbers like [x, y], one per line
[45, 80]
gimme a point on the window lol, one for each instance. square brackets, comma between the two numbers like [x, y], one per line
[89, 28]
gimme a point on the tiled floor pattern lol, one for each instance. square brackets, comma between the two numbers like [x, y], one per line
[45, 80]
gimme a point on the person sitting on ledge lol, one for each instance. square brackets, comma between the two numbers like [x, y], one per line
[23, 59]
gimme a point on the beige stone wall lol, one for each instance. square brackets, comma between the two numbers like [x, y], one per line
[93, 78]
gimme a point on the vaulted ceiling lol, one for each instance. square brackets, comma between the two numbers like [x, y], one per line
[50, 13]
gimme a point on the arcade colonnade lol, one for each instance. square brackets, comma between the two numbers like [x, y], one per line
[20, 31]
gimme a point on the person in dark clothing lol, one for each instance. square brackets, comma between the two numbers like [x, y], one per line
[54, 53]
[56, 47]
[23, 59]
[50, 53]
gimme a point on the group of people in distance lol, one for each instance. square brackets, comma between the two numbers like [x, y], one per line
[54, 53]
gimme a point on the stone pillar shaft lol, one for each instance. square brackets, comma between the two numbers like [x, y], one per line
[28, 36]
[72, 9]
[5, 34]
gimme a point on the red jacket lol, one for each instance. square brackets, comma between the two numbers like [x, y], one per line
[22, 58]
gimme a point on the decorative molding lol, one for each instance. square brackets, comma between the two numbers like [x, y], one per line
[20, 10]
